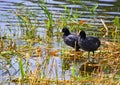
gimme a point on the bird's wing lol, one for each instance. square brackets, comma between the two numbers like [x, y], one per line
[72, 38]
[94, 40]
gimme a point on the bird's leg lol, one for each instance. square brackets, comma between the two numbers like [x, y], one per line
[75, 47]
[93, 53]
[88, 55]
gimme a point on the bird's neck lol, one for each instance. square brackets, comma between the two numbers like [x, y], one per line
[66, 34]
[83, 37]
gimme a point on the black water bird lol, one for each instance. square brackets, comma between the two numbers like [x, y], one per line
[71, 39]
[88, 43]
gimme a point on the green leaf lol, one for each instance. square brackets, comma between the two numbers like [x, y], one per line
[117, 22]
[73, 71]
[92, 10]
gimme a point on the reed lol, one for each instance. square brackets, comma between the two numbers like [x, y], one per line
[49, 16]
[21, 69]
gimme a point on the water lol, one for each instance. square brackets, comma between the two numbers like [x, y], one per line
[107, 10]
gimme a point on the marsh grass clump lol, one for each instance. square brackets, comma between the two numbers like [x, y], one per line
[113, 33]
[49, 16]
[29, 28]
[28, 23]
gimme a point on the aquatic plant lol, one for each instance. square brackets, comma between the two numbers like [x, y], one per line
[21, 68]
[49, 16]
[116, 22]
[29, 28]
[93, 9]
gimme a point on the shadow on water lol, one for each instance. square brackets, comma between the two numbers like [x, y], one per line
[43, 52]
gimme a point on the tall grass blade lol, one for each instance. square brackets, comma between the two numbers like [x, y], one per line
[92, 10]
[47, 12]
[21, 68]
[117, 22]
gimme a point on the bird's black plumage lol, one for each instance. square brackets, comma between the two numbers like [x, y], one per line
[88, 43]
[70, 39]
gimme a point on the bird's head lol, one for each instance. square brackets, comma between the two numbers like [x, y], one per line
[82, 34]
[66, 31]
